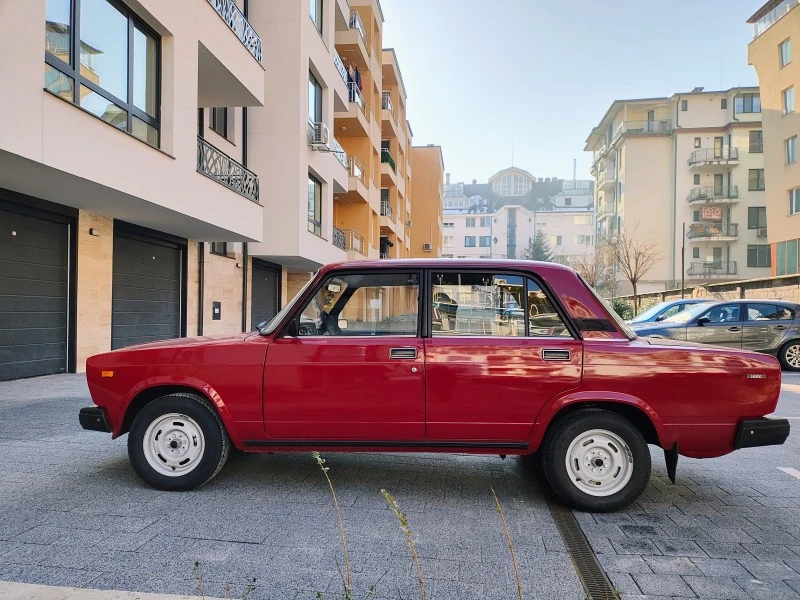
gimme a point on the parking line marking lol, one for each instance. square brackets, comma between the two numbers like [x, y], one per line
[789, 471]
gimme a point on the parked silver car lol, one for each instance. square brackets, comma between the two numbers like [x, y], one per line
[768, 326]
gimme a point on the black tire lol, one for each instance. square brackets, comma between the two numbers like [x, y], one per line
[216, 441]
[782, 355]
[554, 455]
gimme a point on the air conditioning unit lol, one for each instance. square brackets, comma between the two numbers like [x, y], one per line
[427, 247]
[762, 232]
[321, 135]
[664, 126]
[408, 223]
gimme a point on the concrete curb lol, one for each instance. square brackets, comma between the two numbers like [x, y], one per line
[24, 591]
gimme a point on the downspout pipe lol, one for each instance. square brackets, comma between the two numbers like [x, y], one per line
[675, 190]
[245, 252]
[201, 271]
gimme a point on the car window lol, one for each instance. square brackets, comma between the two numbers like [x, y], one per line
[671, 311]
[768, 312]
[724, 313]
[649, 313]
[687, 315]
[475, 303]
[363, 305]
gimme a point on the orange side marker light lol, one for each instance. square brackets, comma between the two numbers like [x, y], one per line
[106, 373]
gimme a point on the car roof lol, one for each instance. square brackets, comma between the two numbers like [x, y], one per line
[756, 301]
[447, 263]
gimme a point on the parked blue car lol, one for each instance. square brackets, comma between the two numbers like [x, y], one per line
[665, 310]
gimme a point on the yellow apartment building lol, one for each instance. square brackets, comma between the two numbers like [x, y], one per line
[776, 28]
[427, 190]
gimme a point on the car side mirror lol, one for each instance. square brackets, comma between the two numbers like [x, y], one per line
[293, 330]
[660, 318]
[702, 321]
[342, 323]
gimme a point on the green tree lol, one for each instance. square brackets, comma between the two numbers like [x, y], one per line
[538, 248]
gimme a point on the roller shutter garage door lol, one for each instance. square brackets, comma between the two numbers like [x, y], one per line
[266, 292]
[34, 291]
[147, 285]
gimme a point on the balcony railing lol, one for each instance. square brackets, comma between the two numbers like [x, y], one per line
[355, 95]
[231, 14]
[713, 230]
[338, 238]
[705, 155]
[339, 152]
[644, 127]
[337, 60]
[384, 255]
[214, 163]
[354, 241]
[712, 269]
[386, 157]
[387, 210]
[386, 102]
[355, 23]
[769, 19]
[356, 170]
[708, 193]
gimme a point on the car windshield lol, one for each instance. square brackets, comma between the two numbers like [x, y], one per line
[272, 325]
[687, 315]
[650, 313]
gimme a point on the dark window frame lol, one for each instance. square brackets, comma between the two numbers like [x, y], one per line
[218, 248]
[723, 103]
[684, 105]
[756, 146]
[313, 81]
[320, 9]
[78, 80]
[759, 255]
[746, 103]
[315, 223]
[754, 217]
[215, 116]
[759, 183]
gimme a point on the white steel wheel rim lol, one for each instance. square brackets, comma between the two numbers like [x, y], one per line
[173, 445]
[793, 356]
[599, 462]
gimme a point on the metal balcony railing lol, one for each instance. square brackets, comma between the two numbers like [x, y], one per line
[231, 14]
[384, 255]
[355, 95]
[709, 193]
[356, 170]
[339, 152]
[387, 210]
[769, 19]
[356, 23]
[712, 269]
[704, 155]
[338, 238]
[386, 157]
[215, 164]
[337, 60]
[644, 127]
[354, 241]
[713, 230]
[386, 102]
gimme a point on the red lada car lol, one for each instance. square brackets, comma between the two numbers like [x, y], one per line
[491, 357]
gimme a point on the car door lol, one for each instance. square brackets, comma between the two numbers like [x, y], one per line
[351, 367]
[500, 354]
[720, 325]
[765, 325]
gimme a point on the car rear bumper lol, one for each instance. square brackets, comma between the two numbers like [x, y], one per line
[761, 432]
[94, 418]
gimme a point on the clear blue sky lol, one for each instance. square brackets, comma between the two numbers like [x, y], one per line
[543, 72]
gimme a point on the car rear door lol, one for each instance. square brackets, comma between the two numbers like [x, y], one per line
[500, 354]
[724, 327]
[765, 326]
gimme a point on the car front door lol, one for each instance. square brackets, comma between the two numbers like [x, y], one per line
[497, 356]
[351, 367]
[720, 325]
[766, 325]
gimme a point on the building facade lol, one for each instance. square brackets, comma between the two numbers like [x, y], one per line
[427, 189]
[686, 172]
[771, 54]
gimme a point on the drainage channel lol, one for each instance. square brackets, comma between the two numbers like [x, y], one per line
[593, 578]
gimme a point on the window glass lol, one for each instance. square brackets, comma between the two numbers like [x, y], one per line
[146, 133]
[484, 241]
[791, 257]
[791, 150]
[788, 100]
[780, 251]
[314, 206]
[101, 107]
[726, 313]
[794, 201]
[145, 68]
[756, 217]
[469, 241]
[768, 312]
[316, 14]
[104, 46]
[55, 81]
[57, 29]
[785, 53]
[219, 121]
[756, 141]
[363, 305]
[758, 255]
[314, 100]
[755, 180]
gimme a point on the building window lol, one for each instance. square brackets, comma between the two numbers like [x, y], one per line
[316, 14]
[756, 141]
[485, 241]
[684, 105]
[314, 205]
[695, 252]
[696, 215]
[470, 222]
[758, 255]
[785, 52]
[696, 179]
[791, 150]
[583, 240]
[698, 142]
[556, 240]
[220, 248]
[747, 103]
[447, 241]
[755, 180]
[486, 221]
[469, 241]
[788, 100]
[756, 217]
[448, 224]
[314, 100]
[567, 201]
[219, 121]
[90, 62]
[581, 220]
[723, 103]
[794, 201]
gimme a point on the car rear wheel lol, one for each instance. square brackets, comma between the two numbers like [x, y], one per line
[790, 356]
[178, 442]
[596, 460]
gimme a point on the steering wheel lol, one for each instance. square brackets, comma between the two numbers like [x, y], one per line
[328, 324]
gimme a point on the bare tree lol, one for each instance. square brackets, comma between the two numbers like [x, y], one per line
[634, 255]
[591, 268]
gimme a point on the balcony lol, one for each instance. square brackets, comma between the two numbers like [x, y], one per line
[384, 255]
[387, 210]
[337, 60]
[386, 102]
[659, 127]
[769, 19]
[713, 231]
[607, 178]
[354, 242]
[339, 153]
[386, 157]
[355, 23]
[708, 194]
[231, 14]
[215, 164]
[711, 269]
[338, 238]
[354, 42]
[388, 169]
[712, 157]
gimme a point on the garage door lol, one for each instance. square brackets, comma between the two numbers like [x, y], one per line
[146, 294]
[34, 276]
[266, 292]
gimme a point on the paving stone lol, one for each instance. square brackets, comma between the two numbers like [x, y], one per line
[724, 550]
[674, 565]
[624, 563]
[679, 548]
[720, 567]
[670, 585]
[624, 583]
[764, 569]
[642, 531]
[767, 590]
[715, 587]
[635, 546]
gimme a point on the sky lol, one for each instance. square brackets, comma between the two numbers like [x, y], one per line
[537, 75]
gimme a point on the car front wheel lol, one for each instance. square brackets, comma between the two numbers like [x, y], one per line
[596, 460]
[178, 442]
[790, 356]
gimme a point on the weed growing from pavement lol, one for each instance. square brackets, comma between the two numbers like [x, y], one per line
[510, 545]
[403, 519]
[198, 575]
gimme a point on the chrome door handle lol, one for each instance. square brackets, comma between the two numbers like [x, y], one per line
[780, 327]
[552, 354]
[403, 353]
[734, 328]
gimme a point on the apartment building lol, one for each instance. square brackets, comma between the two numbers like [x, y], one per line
[776, 26]
[426, 189]
[106, 186]
[691, 161]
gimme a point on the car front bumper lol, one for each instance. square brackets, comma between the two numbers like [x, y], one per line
[761, 432]
[94, 418]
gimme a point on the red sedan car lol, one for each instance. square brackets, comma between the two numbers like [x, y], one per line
[491, 357]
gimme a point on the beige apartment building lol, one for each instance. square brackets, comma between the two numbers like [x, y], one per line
[776, 27]
[690, 163]
[427, 190]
